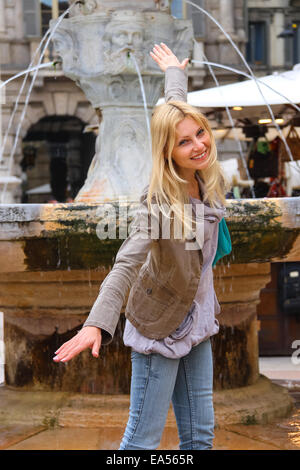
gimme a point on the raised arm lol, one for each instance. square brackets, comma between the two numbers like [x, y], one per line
[103, 318]
[175, 74]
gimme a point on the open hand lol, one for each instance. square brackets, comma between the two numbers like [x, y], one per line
[165, 58]
[87, 337]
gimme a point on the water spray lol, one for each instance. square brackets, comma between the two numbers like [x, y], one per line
[19, 95]
[29, 93]
[131, 55]
[234, 130]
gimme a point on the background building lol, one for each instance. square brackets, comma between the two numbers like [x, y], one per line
[266, 31]
[53, 154]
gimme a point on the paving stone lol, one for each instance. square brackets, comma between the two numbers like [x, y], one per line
[227, 440]
[63, 421]
[107, 438]
[12, 434]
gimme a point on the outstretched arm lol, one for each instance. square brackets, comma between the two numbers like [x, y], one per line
[175, 75]
[101, 323]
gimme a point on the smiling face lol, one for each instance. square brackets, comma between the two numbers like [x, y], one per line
[192, 147]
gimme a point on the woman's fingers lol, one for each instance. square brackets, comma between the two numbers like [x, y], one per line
[71, 353]
[85, 338]
[96, 347]
[160, 62]
[184, 63]
[154, 57]
[59, 354]
[165, 58]
[166, 49]
[159, 52]
[164, 52]
[63, 346]
[65, 350]
[67, 345]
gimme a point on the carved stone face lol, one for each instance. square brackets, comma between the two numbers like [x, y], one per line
[124, 38]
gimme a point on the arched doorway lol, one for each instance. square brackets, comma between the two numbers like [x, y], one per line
[56, 156]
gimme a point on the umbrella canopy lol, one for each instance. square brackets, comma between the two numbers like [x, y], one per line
[246, 93]
[237, 133]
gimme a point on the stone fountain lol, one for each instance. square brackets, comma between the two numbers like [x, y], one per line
[53, 262]
[103, 46]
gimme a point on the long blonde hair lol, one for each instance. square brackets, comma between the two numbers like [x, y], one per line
[166, 186]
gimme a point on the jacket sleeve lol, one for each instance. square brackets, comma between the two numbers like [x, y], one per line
[176, 82]
[131, 256]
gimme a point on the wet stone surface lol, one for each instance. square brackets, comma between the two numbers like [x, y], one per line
[35, 368]
[66, 432]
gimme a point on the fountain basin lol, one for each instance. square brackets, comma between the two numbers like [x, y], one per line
[262, 230]
[52, 265]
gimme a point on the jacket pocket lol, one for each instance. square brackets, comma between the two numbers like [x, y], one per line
[149, 299]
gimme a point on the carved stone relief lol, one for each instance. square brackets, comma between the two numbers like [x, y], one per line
[130, 149]
[123, 35]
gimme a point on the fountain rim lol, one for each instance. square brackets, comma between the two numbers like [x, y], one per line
[27, 212]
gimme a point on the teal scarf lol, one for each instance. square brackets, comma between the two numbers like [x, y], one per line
[224, 242]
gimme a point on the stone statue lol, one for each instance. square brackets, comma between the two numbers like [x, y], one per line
[97, 45]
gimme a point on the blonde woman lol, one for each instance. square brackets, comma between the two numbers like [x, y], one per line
[171, 308]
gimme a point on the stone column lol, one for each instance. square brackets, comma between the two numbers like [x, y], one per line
[10, 183]
[227, 16]
[2, 17]
[277, 44]
[226, 19]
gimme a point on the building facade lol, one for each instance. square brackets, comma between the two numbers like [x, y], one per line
[50, 158]
[51, 155]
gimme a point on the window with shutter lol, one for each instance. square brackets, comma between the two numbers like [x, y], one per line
[63, 5]
[176, 8]
[256, 48]
[32, 17]
[46, 14]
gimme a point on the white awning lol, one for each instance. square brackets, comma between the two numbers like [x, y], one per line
[246, 93]
[237, 133]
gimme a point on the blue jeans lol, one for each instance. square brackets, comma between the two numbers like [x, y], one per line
[188, 382]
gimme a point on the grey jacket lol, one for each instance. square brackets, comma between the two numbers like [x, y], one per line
[161, 275]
